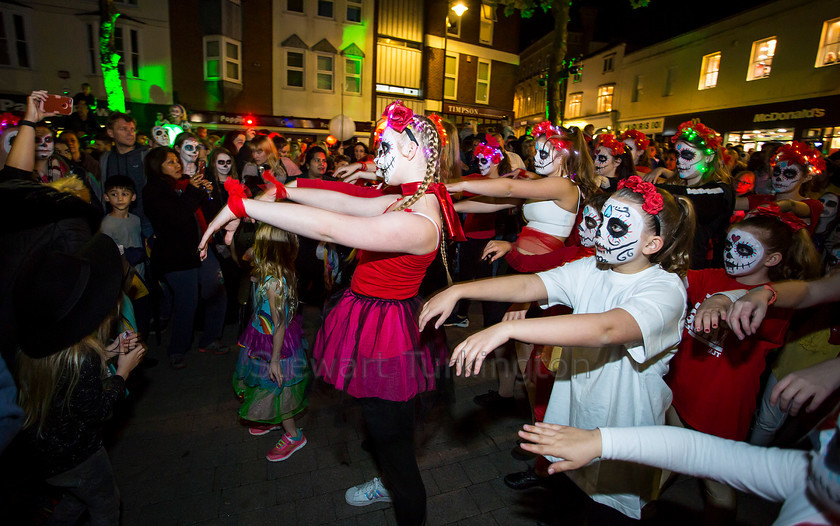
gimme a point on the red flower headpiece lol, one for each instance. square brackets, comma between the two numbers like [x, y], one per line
[653, 201]
[553, 134]
[801, 154]
[488, 152]
[438, 122]
[608, 140]
[398, 116]
[638, 137]
[698, 133]
[773, 210]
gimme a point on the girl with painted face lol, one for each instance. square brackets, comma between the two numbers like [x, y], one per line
[221, 166]
[704, 180]
[370, 344]
[613, 162]
[49, 166]
[628, 304]
[637, 145]
[715, 377]
[187, 146]
[793, 166]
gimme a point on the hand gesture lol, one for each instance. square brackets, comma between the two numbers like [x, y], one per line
[496, 249]
[455, 188]
[440, 306]
[813, 383]
[224, 217]
[711, 312]
[35, 106]
[349, 172]
[275, 372]
[250, 133]
[471, 353]
[578, 447]
[230, 230]
[131, 359]
[746, 314]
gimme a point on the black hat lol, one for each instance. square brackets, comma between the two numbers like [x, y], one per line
[62, 298]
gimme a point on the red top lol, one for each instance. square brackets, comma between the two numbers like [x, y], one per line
[815, 205]
[390, 275]
[715, 378]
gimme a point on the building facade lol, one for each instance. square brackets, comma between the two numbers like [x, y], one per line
[770, 73]
[29, 57]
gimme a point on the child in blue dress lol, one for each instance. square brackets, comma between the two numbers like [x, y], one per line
[272, 374]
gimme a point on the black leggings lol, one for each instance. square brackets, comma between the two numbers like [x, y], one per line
[391, 428]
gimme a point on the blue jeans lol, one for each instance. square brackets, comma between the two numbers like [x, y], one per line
[186, 286]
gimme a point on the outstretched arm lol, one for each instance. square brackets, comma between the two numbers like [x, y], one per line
[546, 188]
[335, 201]
[485, 205]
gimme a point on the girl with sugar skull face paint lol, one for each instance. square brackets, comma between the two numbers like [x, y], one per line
[637, 145]
[715, 377]
[398, 237]
[793, 165]
[49, 166]
[613, 162]
[642, 294]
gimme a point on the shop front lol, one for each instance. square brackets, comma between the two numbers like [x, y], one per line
[301, 128]
[816, 121]
[488, 119]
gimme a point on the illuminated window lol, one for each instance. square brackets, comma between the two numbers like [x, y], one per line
[354, 10]
[353, 75]
[222, 59]
[488, 17]
[294, 69]
[573, 109]
[709, 71]
[829, 51]
[325, 8]
[609, 63]
[294, 6]
[450, 80]
[762, 58]
[605, 98]
[324, 72]
[482, 82]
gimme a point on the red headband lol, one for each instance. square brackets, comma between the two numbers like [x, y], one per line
[801, 154]
[488, 152]
[773, 210]
[653, 200]
[638, 137]
[616, 147]
[697, 132]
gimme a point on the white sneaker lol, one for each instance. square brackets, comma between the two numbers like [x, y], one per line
[367, 493]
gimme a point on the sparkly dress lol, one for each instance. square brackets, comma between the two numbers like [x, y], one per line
[263, 400]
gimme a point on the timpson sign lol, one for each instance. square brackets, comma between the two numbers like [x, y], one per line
[472, 111]
[789, 115]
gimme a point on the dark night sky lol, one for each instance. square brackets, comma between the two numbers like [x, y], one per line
[617, 21]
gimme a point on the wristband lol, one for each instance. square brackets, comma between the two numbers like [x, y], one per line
[23, 122]
[236, 193]
[772, 292]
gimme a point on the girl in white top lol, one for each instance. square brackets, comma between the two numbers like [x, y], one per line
[629, 303]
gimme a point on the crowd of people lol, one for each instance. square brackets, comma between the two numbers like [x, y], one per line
[628, 283]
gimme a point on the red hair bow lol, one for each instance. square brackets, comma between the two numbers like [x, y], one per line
[236, 193]
[653, 200]
[638, 137]
[802, 154]
[788, 218]
[608, 140]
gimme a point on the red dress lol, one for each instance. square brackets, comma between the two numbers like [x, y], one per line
[715, 380]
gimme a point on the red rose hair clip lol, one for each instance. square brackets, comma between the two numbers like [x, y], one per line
[398, 116]
[698, 133]
[553, 134]
[801, 154]
[773, 210]
[608, 140]
[488, 152]
[653, 200]
[638, 137]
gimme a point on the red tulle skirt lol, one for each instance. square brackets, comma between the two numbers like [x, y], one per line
[373, 347]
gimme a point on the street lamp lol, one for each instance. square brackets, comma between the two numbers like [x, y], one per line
[459, 8]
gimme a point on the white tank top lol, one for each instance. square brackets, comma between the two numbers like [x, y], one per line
[549, 218]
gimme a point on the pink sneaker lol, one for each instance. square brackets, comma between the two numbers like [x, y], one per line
[285, 447]
[259, 431]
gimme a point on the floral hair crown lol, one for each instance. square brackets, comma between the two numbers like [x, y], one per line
[801, 154]
[773, 210]
[616, 147]
[554, 135]
[698, 133]
[638, 137]
[653, 200]
[489, 152]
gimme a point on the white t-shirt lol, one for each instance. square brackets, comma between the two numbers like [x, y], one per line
[616, 385]
[778, 475]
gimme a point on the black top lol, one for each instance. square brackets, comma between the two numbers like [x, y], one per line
[177, 234]
[73, 429]
[713, 204]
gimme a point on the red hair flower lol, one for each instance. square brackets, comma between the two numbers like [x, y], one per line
[398, 115]
[553, 134]
[773, 210]
[638, 137]
[698, 133]
[653, 200]
[488, 152]
[608, 140]
[800, 153]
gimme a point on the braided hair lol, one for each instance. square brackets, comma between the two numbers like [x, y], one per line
[428, 134]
